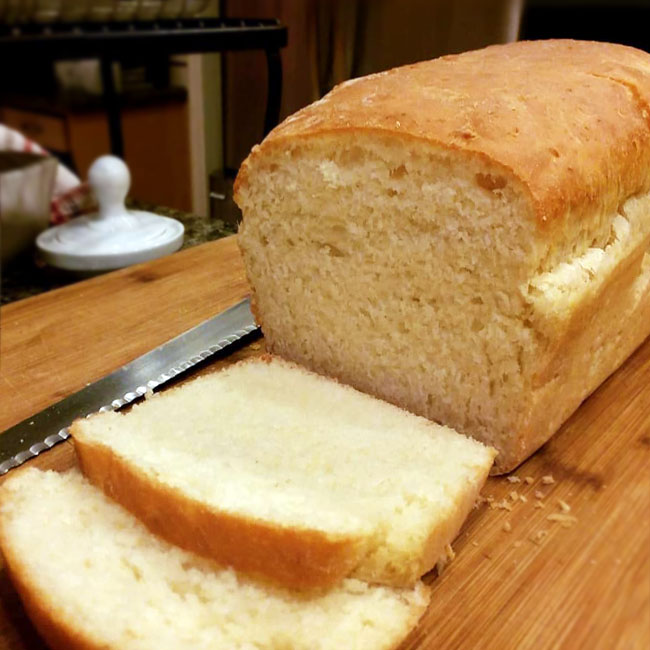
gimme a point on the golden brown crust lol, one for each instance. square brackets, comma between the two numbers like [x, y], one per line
[299, 559]
[569, 119]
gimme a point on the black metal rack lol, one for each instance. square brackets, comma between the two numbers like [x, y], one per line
[113, 42]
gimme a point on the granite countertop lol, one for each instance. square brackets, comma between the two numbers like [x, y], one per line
[25, 276]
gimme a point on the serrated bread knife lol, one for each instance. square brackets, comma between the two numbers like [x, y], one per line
[49, 427]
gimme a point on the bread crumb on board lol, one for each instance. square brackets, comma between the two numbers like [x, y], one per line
[448, 556]
[564, 520]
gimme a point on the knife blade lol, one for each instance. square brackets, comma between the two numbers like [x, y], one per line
[126, 384]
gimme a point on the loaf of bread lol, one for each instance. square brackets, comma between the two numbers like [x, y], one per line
[288, 476]
[92, 577]
[466, 237]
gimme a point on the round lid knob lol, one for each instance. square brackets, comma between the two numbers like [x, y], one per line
[110, 180]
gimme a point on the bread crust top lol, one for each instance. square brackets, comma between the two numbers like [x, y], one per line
[568, 119]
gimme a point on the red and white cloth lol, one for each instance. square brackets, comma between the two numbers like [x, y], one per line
[70, 196]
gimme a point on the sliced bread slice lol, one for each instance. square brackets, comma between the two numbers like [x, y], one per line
[287, 475]
[92, 577]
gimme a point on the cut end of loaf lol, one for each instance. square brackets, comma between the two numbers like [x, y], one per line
[370, 257]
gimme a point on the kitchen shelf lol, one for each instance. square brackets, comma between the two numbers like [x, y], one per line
[141, 40]
[138, 38]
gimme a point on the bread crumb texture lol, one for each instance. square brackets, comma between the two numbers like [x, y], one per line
[463, 237]
[267, 442]
[119, 587]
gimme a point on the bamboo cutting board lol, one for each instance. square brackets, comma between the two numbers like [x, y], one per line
[568, 568]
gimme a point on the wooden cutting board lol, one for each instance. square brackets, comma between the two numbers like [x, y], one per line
[519, 580]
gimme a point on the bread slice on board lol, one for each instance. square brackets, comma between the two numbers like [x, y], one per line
[92, 577]
[467, 238]
[287, 475]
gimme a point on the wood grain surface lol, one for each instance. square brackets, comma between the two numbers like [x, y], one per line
[519, 579]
